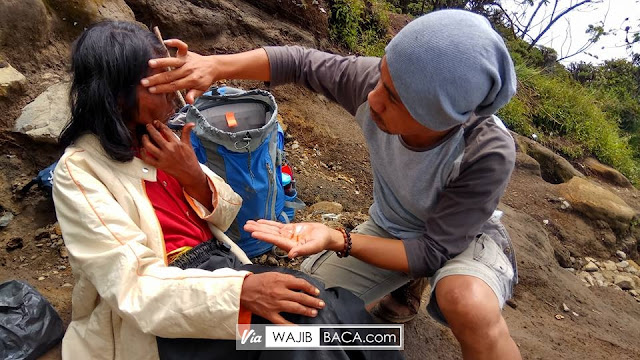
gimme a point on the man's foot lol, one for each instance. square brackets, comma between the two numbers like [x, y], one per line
[401, 305]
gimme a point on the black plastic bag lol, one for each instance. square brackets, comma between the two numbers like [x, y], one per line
[29, 325]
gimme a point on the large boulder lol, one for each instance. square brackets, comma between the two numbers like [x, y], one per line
[555, 169]
[86, 12]
[528, 164]
[597, 203]
[11, 80]
[607, 173]
[23, 23]
[44, 118]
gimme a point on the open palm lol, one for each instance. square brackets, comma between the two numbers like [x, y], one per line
[298, 238]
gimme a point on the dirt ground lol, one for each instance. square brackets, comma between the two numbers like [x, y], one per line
[330, 160]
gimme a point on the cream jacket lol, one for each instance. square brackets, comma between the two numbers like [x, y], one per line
[125, 294]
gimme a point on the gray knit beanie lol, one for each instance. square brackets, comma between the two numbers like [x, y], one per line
[449, 64]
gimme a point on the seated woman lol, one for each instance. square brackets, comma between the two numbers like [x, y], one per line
[131, 197]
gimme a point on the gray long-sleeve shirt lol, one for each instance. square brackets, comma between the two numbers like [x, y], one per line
[435, 199]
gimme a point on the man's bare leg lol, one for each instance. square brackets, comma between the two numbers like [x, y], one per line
[474, 316]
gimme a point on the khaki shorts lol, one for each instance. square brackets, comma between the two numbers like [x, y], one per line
[483, 259]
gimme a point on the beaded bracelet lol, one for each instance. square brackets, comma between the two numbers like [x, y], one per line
[347, 243]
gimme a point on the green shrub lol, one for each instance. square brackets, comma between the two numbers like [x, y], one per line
[360, 25]
[570, 118]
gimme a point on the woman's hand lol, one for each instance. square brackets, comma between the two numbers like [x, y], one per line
[269, 294]
[176, 157]
[191, 71]
[299, 238]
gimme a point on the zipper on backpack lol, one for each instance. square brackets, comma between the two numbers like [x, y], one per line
[270, 197]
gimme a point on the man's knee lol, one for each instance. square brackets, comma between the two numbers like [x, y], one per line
[470, 307]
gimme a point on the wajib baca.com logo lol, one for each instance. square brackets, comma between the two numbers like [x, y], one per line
[320, 337]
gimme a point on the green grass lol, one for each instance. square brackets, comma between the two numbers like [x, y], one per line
[556, 107]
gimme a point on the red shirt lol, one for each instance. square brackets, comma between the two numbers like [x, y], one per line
[181, 226]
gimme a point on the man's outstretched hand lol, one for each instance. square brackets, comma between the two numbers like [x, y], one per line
[268, 294]
[191, 71]
[298, 239]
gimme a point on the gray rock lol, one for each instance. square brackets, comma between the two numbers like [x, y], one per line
[609, 265]
[587, 278]
[621, 255]
[607, 173]
[272, 261]
[5, 219]
[597, 203]
[528, 164]
[326, 207]
[11, 80]
[622, 265]
[590, 267]
[624, 282]
[555, 169]
[565, 308]
[67, 285]
[44, 118]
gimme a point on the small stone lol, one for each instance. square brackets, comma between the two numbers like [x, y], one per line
[565, 205]
[571, 270]
[263, 259]
[609, 265]
[326, 207]
[14, 243]
[295, 145]
[559, 317]
[512, 303]
[545, 221]
[565, 308]
[632, 270]
[272, 261]
[575, 314]
[39, 245]
[590, 267]
[34, 257]
[53, 236]
[57, 230]
[62, 267]
[621, 255]
[590, 259]
[5, 219]
[63, 252]
[41, 278]
[634, 292]
[330, 217]
[624, 282]
[67, 285]
[42, 233]
[622, 265]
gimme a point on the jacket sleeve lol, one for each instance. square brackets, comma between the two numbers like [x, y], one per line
[344, 79]
[107, 247]
[465, 204]
[226, 203]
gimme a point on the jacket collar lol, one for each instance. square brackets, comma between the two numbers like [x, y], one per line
[135, 168]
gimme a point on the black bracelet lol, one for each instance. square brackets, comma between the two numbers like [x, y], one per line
[347, 243]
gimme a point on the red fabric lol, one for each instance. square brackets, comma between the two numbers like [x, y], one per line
[181, 225]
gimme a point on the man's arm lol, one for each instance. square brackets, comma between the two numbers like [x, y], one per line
[346, 80]
[466, 203]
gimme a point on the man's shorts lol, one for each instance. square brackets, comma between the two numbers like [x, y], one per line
[483, 259]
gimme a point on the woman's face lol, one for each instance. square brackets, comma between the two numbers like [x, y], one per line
[154, 106]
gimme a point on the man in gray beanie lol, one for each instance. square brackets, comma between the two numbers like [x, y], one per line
[441, 161]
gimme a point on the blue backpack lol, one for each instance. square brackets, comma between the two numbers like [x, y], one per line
[44, 180]
[238, 136]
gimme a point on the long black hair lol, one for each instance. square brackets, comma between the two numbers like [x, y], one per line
[108, 61]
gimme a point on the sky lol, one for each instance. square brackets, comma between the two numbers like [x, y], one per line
[613, 12]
